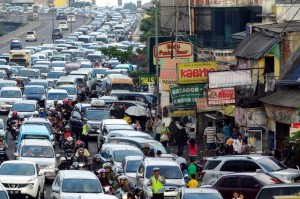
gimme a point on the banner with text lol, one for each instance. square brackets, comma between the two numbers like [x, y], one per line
[186, 95]
[221, 96]
[195, 73]
[168, 75]
[225, 79]
[145, 79]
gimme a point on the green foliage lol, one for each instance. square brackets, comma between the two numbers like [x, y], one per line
[130, 6]
[122, 56]
[136, 74]
[294, 140]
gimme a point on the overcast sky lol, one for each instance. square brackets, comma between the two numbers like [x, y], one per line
[115, 2]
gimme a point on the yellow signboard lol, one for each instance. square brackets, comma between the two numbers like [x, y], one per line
[195, 73]
[61, 3]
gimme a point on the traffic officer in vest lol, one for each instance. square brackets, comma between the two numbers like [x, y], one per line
[157, 182]
[85, 132]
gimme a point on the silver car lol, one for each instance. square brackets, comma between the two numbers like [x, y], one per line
[130, 165]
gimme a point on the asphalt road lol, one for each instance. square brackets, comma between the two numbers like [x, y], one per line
[44, 31]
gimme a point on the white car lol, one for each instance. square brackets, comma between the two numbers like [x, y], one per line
[8, 96]
[72, 91]
[31, 36]
[56, 94]
[41, 153]
[21, 179]
[71, 18]
[63, 25]
[77, 184]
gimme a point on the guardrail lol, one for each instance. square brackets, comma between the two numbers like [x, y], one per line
[20, 31]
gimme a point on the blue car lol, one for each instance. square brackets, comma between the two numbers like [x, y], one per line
[15, 43]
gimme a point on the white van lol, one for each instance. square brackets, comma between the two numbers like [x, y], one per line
[89, 75]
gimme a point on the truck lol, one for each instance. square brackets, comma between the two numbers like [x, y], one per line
[20, 57]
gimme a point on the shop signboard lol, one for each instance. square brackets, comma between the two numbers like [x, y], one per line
[256, 117]
[196, 72]
[168, 75]
[224, 79]
[145, 79]
[185, 112]
[221, 96]
[186, 95]
[202, 106]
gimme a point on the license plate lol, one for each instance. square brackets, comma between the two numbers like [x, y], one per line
[14, 192]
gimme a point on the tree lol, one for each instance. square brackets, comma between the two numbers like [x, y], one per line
[122, 56]
[130, 6]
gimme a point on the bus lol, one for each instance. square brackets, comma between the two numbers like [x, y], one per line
[118, 82]
[20, 57]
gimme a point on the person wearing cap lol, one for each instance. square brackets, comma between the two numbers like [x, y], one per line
[157, 183]
[85, 132]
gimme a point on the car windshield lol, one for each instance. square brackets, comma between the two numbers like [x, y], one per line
[132, 165]
[26, 73]
[42, 69]
[271, 164]
[169, 172]
[21, 169]
[78, 54]
[70, 90]
[270, 192]
[54, 75]
[6, 85]
[23, 107]
[97, 115]
[58, 64]
[81, 186]
[100, 70]
[10, 94]
[58, 96]
[201, 196]
[37, 152]
[33, 90]
[120, 155]
[44, 84]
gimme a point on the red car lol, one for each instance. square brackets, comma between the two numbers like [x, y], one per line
[248, 184]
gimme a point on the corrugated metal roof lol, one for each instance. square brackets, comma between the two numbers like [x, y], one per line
[255, 45]
[292, 26]
[286, 98]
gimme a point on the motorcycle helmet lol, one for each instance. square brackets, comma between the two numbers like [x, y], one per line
[22, 117]
[69, 139]
[80, 151]
[67, 127]
[65, 100]
[122, 177]
[78, 142]
[137, 190]
[97, 156]
[108, 165]
[15, 114]
[62, 159]
[82, 144]
[102, 171]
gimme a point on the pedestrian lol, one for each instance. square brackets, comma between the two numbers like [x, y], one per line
[158, 154]
[85, 132]
[235, 133]
[193, 183]
[112, 110]
[157, 183]
[227, 131]
[237, 145]
[192, 168]
[157, 125]
[193, 148]
[164, 135]
[235, 195]
[181, 137]
[229, 147]
[127, 118]
[137, 125]
[245, 147]
[210, 135]
[179, 160]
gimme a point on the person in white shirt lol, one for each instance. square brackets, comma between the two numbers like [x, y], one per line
[180, 159]
[237, 145]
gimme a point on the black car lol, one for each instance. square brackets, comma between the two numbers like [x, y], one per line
[57, 33]
[61, 16]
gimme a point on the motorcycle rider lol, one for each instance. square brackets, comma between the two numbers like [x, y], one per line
[42, 113]
[82, 158]
[77, 146]
[20, 83]
[109, 173]
[63, 164]
[21, 120]
[67, 133]
[13, 121]
[86, 152]
[3, 145]
[103, 178]
[138, 193]
[97, 164]
[123, 186]
[69, 144]
[93, 94]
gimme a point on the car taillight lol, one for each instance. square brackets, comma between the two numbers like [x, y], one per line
[203, 173]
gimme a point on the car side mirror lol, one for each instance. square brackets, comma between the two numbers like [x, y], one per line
[16, 154]
[121, 171]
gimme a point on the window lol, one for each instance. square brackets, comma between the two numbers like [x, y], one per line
[249, 183]
[230, 182]
[233, 166]
[249, 166]
[212, 164]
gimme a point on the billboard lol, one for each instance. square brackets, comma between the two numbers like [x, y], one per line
[167, 53]
[223, 79]
[145, 79]
[61, 3]
[221, 96]
[195, 73]
[186, 95]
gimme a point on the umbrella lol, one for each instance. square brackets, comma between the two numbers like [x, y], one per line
[136, 111]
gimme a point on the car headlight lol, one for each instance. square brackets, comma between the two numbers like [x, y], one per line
[30, 186]
[51, 166]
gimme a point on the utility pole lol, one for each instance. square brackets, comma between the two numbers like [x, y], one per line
[52, 6]
[84, 13]
[176, 27]
[156, 57]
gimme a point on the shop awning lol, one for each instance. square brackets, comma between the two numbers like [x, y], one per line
[255, 45]
[285, 98]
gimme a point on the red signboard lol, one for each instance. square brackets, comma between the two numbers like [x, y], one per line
[221, 96]
[296, 125]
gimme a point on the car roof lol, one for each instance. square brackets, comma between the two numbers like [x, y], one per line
[118, 126]
[117, 147]
[159, 162]
[39, 80]
[17, 162]
[128, 132]
[66, 85]
[37, 142]
[281, 185]
[113, 121]
[26, 102]
[57, 91]
[133, 158]
[81, 174]
[249, 157]
[34, 120]
[11, 88]
[199, 190]
[34, 129]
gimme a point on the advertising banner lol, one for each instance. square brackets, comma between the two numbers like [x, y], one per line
[168, 75]
[224, 79]
[282, 114]
[221, 96]
[195, 73]
[202, 106]
[186, 95]
[145, 79]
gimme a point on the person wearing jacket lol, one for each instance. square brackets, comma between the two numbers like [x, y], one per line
[157, 183]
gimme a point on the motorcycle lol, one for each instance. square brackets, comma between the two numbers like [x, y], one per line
[2, 154]
[108, 190]
[14, 129]
[82, 165]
